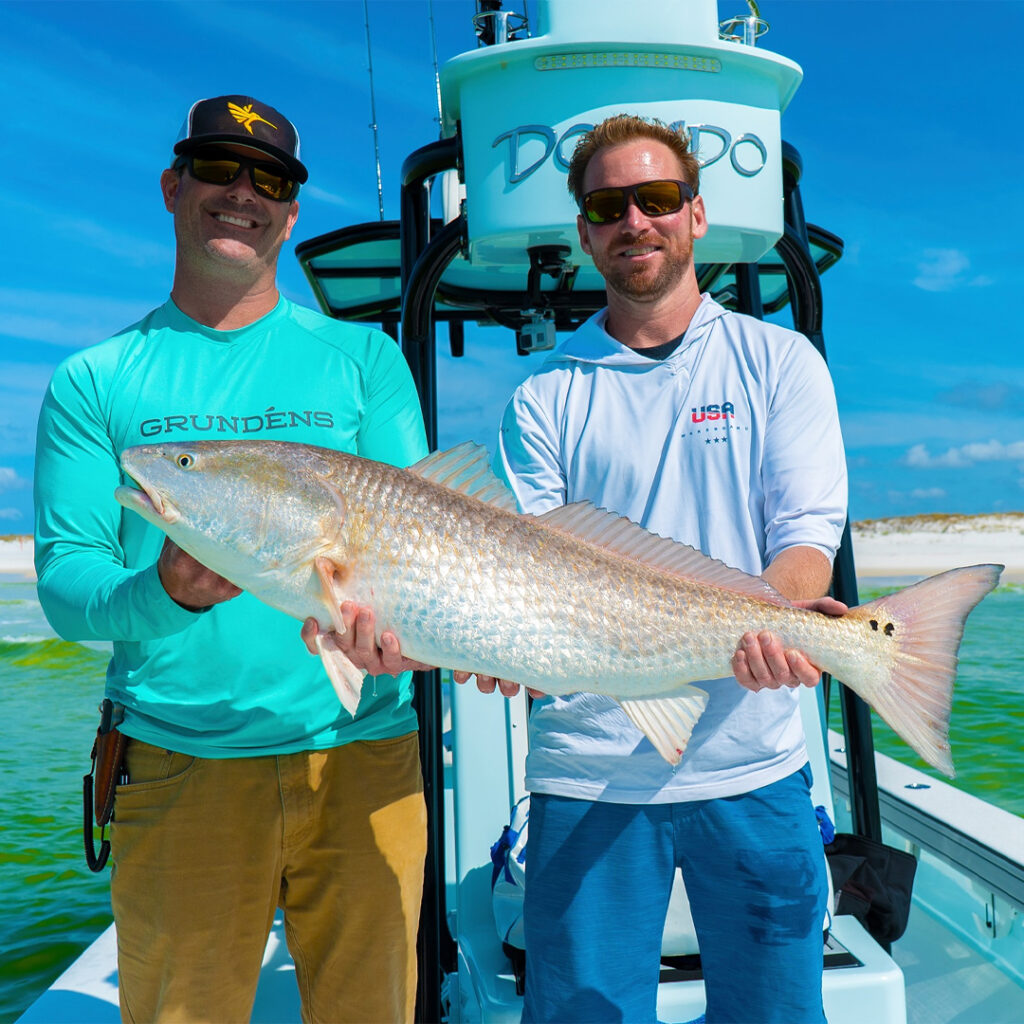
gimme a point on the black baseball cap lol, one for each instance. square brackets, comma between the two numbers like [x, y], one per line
[245, 121]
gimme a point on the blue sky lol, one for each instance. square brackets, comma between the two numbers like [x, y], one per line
[907, 120]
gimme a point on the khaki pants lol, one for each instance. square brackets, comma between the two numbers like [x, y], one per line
[205, 850]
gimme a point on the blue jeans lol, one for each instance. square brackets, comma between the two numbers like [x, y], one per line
[598, 882]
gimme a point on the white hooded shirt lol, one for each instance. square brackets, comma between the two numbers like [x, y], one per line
[731, 445]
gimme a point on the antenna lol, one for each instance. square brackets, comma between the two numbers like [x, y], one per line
[433, 48]
[373, 110]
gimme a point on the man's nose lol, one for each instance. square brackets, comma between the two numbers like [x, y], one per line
[242, 189]
[634, 216]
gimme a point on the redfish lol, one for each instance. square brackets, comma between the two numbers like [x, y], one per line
[577, 599]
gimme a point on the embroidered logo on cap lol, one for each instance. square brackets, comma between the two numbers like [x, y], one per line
[245, 116]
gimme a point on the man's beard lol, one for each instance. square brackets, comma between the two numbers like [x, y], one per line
[641, 283]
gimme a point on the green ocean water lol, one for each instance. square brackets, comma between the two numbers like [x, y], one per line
[53, 906]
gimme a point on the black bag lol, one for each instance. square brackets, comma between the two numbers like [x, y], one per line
[873, 882]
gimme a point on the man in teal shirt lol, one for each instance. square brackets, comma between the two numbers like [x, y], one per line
[249, 787]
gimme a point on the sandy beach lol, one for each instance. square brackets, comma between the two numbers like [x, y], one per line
[915, 546]
[911, 546]
[16, 558]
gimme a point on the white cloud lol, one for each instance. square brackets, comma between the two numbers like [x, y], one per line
[965, 455]
[64, 319]
[19, 412]
[10, 513]
[323, 196]
[917, 494]
[128, 247]
[9, 480]
[943, 270]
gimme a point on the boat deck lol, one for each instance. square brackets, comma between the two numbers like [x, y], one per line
[947, 982]
[959, 964]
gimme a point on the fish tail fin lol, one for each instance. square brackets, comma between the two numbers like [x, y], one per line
[668, 721]
[925, 622]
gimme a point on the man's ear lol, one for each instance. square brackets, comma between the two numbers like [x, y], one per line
[170, 182]
[293, 216]
[581, 227]
[698, 217]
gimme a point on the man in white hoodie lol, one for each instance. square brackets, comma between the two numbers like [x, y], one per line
[721, 432]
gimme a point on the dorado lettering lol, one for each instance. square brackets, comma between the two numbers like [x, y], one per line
[748, 162]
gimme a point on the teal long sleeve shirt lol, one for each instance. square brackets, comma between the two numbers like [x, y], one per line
[234, 680]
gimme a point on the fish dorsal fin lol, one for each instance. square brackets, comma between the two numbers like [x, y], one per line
[466, 468]
[621, 536]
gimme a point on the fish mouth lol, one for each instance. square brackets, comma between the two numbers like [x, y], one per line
[147, 504]
[145, 500]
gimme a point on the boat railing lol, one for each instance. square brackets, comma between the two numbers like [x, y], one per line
[494, 26]
[970, 854]
[746, 29]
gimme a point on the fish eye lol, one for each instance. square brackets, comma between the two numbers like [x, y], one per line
[185, 461]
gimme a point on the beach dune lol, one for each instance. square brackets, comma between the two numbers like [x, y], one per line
[897, 548]
[916, 546]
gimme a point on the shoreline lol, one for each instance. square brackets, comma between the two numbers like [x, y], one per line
[16, 564]
[897, 550]
[917, 546]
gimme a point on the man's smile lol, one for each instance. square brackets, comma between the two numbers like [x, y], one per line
[639, 250]
[241, 222]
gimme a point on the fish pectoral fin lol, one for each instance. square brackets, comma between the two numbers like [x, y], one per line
[668, 721]
[328, 572]
[346, 679]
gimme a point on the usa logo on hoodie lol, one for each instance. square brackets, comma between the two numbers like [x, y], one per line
[713, 412]
[712, 422]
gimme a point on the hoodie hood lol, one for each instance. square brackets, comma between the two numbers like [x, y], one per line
[591, 343]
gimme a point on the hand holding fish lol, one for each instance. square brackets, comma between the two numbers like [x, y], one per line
[190, 583]
[359, 643]
[488, 684]
[360, 647]
[761, 662]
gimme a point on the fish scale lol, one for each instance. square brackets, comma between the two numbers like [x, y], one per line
[574, 600]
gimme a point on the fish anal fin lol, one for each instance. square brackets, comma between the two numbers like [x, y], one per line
[623, 537]
[668, 721]
[466, 469]
[346, 679]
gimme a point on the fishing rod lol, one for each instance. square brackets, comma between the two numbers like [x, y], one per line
[373, 110]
